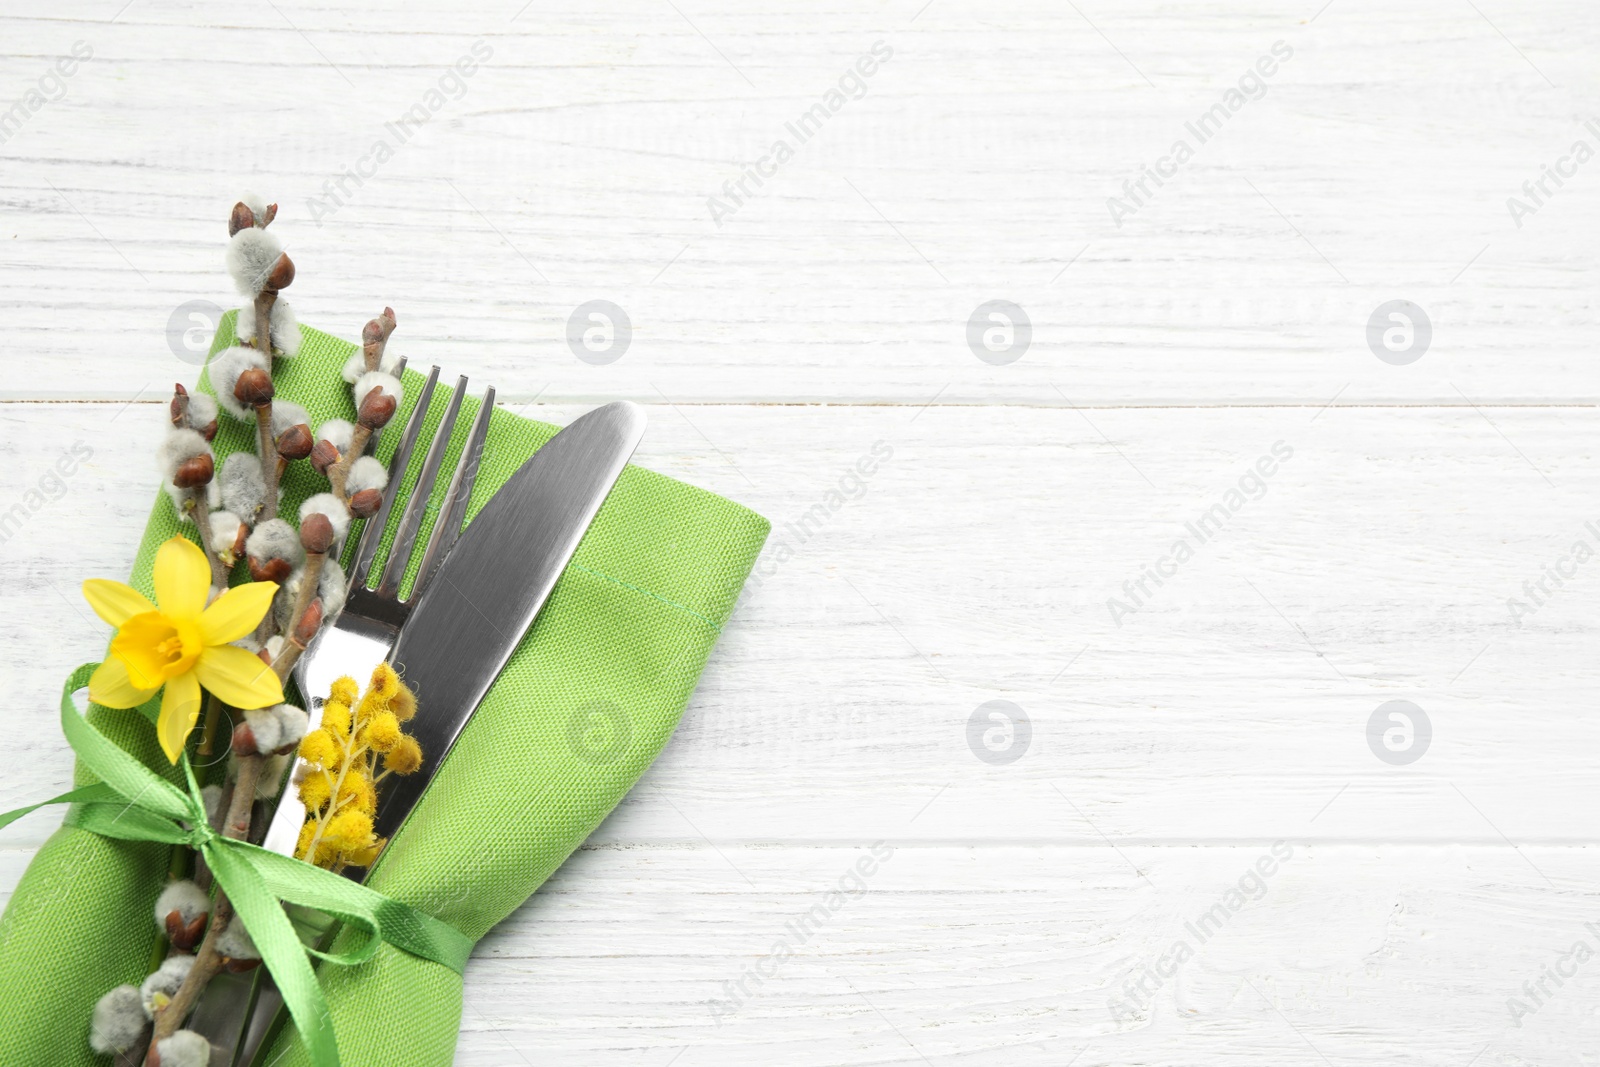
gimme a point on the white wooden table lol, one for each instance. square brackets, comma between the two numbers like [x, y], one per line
[824, 313]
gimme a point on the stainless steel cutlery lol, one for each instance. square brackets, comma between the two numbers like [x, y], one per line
[365, 631]
[469, 621]
[474, 595]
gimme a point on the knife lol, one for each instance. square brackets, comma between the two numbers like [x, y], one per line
[492, 585]
[468, 622]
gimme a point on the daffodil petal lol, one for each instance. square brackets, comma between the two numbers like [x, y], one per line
[180, 709]
[115, 602]
[236, 612]
[182, 578]
[238, 677]
[110, 686]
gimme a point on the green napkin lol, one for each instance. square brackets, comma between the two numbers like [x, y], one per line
[587, 701]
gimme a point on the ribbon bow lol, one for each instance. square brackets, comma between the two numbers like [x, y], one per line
[133, 804]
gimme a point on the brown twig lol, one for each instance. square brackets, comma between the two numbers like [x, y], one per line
[281, 275]
[299, 637]
[180, 407]
[199, 510]
[265, 444]
[198, 501]
[339, 473]
[287, 658]
[374, 338]
[208, 961]
[293, 644]
[309, 581]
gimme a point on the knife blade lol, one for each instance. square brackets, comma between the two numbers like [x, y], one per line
[486, 594]
[492, 584]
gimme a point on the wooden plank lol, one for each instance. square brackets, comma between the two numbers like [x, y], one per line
[975, 563]
[998, 954]
[1015, 955]
[580, 158]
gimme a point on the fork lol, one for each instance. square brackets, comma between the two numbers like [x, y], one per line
[364, 633]
[233, 1015]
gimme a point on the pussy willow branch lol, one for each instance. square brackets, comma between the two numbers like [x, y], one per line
[265, 442]
[238, 797]
[288, 657]
[269, 469]
[374, 339]
[310, 579]
[208, 961]
[197, 499]
[198, 505]
[180, 408]
[340, 471]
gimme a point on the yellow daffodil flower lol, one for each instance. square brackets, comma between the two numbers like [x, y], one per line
[181, 643]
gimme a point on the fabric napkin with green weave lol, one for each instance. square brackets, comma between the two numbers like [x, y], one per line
[590, 697]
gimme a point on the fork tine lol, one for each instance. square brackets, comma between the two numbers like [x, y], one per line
[448, 525]
[372, 532]
[394, 568]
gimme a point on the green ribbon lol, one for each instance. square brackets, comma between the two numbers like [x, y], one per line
[133, 804]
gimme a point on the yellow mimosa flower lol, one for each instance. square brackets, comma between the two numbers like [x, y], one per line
[382, 732]
[180, 643]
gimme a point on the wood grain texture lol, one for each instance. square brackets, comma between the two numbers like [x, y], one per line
[821, 329]
[578, 161]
